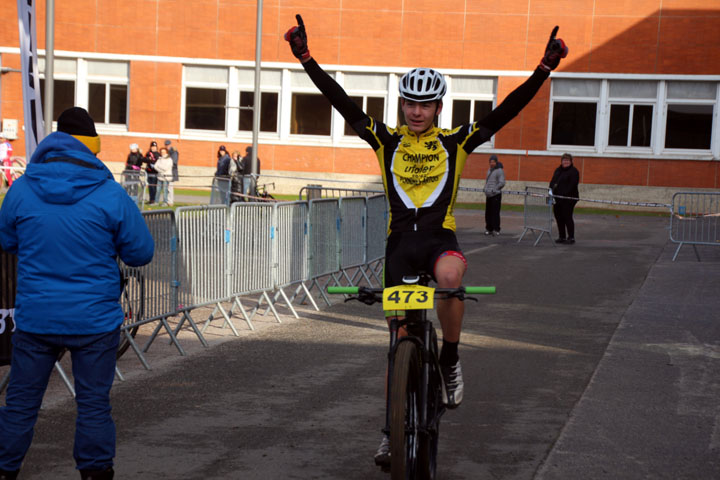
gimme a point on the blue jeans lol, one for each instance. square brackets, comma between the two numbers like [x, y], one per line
[93, 368]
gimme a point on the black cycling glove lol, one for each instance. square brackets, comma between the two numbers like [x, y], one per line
[297, 38]
[554, 51]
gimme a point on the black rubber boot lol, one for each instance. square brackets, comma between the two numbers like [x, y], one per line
[106, 474]
[7, 475]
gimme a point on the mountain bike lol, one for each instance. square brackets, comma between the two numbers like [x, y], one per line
[414, 403]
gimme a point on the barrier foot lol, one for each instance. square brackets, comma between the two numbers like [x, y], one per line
[119, 374]
[65, 379]
[226, 322]
[697, 254]
[137, 350]
[237, 302]
[281, 293]
[307, 295]
[210, 318]
[193, 325]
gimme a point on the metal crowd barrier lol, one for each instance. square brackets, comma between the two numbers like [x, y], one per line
[323, 258]
[202, 271]
[209, 255]
[312, 192]
[695, 220]
[537, 213]
[134, 184]
[377, 226]
[221, 191]
[251, 255]
[291, 233]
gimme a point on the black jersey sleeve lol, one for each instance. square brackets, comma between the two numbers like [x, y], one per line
[352, 114]
[507, 110]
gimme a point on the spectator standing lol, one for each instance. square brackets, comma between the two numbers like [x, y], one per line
[223, 162]
[164, 167]
[134, 159]
[68, 221]
[249, 175]
[564, 183]
[494, 183]
[174, 154]
[247, 162]
[151, 157]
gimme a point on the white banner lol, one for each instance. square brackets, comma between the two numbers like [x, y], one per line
[32, 108]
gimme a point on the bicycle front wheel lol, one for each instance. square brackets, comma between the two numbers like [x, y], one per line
[405, 413]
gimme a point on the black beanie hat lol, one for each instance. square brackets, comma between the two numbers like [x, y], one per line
[77, 122]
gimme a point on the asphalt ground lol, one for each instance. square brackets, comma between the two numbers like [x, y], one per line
[596, 360]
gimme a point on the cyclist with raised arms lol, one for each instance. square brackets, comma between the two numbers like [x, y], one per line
[421, 166]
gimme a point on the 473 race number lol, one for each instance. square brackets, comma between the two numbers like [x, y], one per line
[408, 297]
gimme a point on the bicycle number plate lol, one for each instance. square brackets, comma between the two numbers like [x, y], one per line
[408, 297]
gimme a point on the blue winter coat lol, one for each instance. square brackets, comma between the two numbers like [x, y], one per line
[68, 220]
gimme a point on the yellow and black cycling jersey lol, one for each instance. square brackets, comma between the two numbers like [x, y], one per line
[421, 173]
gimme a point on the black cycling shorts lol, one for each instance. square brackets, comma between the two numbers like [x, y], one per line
[409, 253]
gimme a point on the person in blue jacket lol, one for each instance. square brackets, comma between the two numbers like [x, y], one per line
[68, 221]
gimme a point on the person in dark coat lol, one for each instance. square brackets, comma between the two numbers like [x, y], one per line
[68, 221]
[223, 162]
[564, 183]
[151, 157]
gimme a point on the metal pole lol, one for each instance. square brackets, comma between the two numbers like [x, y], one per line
[49, 64]
[256, 103]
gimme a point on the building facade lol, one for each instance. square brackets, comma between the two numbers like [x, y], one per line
[636, 101]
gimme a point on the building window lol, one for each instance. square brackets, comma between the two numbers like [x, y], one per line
[108, 92]
[63, 96]
[574, 112]
[270, 82]
[64, 78]
[368, 91]
[689, 118]
[632, 105]
[205, 98]
[472, 98]
[310, 113]
[468, 111]
[268, 111]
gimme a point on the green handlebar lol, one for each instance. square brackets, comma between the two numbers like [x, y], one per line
[343, 290]
[479, 290]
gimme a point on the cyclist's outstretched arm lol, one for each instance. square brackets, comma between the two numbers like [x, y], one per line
[521, 96]
[297, 38]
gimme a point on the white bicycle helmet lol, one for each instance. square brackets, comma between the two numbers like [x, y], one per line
[422, 85]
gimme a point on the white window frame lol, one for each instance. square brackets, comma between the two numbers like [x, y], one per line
[339, 121]
[714, 135]
[200, 133]
[445, 120]
[660, 103]
[288, 91]
[107, 80]
[234, 108]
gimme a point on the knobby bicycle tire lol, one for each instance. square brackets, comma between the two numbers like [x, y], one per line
[404, 412]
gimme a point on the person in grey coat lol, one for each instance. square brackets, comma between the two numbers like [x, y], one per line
[494, 184]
